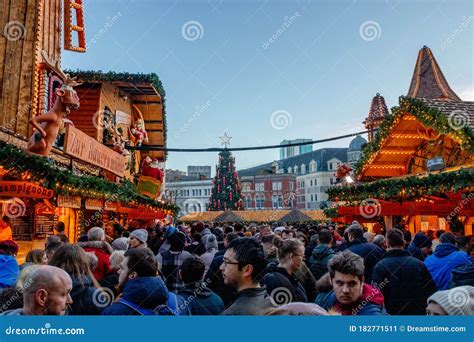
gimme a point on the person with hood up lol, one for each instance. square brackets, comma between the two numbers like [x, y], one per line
[197, 297]
[420, 247]
[350, 295]
[143, 292]
[445, 258]
[280, 278]
[210, 243]
[96, 243]
[322, 253]
[9, 269]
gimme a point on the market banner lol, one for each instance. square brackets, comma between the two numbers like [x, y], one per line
[24, 189]
[94, 204]
[66, 201]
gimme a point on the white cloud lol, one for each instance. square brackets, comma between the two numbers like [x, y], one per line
[467, 94]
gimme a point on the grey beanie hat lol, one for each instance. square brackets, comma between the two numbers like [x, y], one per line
[120, 244]
[140, 234]
[458, 301]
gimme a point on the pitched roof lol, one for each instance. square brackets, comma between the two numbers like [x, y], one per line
[428, 80]
[295, 215]
[462, 111]
[321, 157]
[378, 109]
[254, 215]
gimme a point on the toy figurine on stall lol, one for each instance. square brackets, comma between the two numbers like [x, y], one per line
[151, 178]
[151, 168]
[48, 124]
[343, 173]
[138, 129]
[119, 143]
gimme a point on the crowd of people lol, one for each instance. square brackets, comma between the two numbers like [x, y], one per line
[236, 269]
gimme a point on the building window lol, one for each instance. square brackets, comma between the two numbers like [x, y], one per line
[296, 169]
[303, 169]
[276, 186]
[259, 202]
[312, 166]
[315, 197]
[290, 170]
[291, 186]
[315, 182]
[280, 201]
[310, 182]
[247, 202]
[333, 181]
[259, 186]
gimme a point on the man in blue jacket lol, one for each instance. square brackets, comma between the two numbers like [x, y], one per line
[444, 259]
[142, 290]
[370, 252]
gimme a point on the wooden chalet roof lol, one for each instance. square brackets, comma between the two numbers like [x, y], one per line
[147, 95]
[258, 216]
[413, 123]
[428, 81]
[378, 109]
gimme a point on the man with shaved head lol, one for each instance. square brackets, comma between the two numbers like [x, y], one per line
[46, 292]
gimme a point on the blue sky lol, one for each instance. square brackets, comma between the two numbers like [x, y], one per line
[313, 66]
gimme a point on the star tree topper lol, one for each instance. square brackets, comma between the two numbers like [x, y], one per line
[225, 140]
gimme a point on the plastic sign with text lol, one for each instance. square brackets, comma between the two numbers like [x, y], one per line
[24, 189]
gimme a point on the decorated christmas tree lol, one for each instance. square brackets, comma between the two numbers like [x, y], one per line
[225, 193]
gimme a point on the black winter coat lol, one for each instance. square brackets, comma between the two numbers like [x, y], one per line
[82, 294]
[404, 281]
[277, 280]
[370, 252]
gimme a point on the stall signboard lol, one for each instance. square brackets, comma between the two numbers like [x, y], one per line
[123, 118]
[111, 206]
[24, 189]
[65, 201]
[79, 145]
[94, 204]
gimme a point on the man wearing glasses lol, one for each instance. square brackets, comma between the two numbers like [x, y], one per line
[243, 267]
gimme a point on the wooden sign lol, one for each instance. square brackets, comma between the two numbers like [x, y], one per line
[78, 144]
[94, 204]
[65, 201]
[123, 118]
[24, 189]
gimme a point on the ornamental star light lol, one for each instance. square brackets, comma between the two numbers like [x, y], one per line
[225, 140]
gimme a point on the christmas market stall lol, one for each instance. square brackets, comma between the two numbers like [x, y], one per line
[66, 148]
[418, 169]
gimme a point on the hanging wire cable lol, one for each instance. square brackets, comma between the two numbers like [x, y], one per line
[251, 148]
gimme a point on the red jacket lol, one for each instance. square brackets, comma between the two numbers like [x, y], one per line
[102, 250]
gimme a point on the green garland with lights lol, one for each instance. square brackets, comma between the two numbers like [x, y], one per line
[111, 76]
[410, 187]
[47, 174]
[428, 116]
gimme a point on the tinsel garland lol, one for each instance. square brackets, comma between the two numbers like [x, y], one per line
[406, 188]
[46, 173]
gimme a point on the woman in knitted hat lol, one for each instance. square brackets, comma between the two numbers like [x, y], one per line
[458, 301]
[138, 239]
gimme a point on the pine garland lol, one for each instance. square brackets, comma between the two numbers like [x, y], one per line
[405, 188]
[62, 181]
